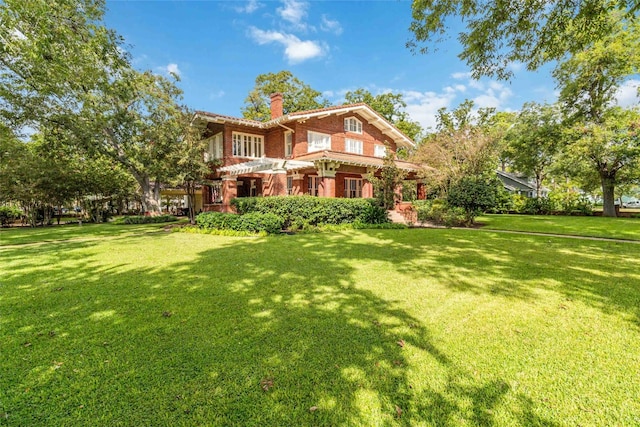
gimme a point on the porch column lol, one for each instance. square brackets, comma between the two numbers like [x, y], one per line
[298, 184]
[398, 195]
[327, 170]
[367, 186]
[229, 192]
[278, 183]
[421, 191]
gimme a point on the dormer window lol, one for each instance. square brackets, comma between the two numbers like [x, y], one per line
[351, 124]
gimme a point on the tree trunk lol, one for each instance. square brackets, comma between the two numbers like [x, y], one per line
[150, 200]
[608, 201]
[191, 197]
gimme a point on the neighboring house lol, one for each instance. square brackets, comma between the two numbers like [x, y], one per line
[327, 152]
[520, 184]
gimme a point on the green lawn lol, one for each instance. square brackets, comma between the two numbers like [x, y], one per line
[134, 326]
[593, 226]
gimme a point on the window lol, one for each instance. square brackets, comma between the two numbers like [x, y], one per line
[352, 188]
[314, 182]
[215, 192]
[214, 148]
[318, 141]
[288, 143]
[353, 146]
[289, 185]
[351, 124]
[247, 145]
[379, 150]
[253, 190]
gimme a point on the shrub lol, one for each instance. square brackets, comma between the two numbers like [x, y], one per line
[538, 206]
[303, 211]
[440, 212]
[254, 222]
[8, 214]
[141, 219]
[474, 195]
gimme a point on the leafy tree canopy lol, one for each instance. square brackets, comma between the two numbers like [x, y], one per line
[499, 33]
[297, 96]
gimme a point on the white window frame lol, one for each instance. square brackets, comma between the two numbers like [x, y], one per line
[317, 141]
[379, 150]
[288, 143]
[215, 192]
[314, 185]
[351, 124]
[214, 147]
[353, 188]
[247, 145]
[353, 146]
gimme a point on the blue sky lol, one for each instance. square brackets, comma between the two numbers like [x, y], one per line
[219, 47]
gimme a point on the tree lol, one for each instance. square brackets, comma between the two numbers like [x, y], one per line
[588, 81]
[297, 96]
[390, 106]
[499, 33]
[474, 194]
[462, 146]
[385, 187]
[534, 141]
[611, 149]
[62, 70]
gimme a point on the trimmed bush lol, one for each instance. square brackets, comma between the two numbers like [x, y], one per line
[439, 212]
[141, 219]
[254, 222]
[8, 214]
[299, 212]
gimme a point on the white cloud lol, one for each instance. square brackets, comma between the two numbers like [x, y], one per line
[423, 106]
[218, 94]
[294, 12]
[250, 7]
[296, 50]
[461, 76]
[173, 69]
[330, 25]
[627, 94]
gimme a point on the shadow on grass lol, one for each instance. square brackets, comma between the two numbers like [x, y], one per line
[249, 332]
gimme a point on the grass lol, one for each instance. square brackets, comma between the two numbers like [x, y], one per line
[133, 326]
[590, 226]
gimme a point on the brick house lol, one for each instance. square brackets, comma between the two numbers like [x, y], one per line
[326, 152]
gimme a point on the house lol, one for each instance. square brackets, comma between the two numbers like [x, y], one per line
[327, 152]
[520, 184]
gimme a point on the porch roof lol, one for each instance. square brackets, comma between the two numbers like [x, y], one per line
[355, 160]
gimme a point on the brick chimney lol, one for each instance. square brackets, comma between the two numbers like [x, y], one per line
[276, 105]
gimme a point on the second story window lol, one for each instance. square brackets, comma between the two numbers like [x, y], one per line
[288, 143]
[247, 145]
[351, 124]
[353, 146]
[379, 150]
[318, 141]
[214, 148]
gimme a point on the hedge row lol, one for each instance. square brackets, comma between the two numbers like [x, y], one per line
[254, 222]
[302, 211]
[141, 219]
[8, 214]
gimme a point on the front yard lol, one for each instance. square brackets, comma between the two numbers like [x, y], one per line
[109, 325]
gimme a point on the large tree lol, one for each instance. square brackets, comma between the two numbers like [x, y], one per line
[62, 69]
[297, 96]
[463, 146]
[534, 140]
[533, 32]
[588, 83]
[390, 106]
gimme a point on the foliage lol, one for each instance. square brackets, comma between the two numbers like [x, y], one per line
[385, 187]
[538, 206]
[298, 211]
[533, 141]
[390, 106]
[217, 232]
[463, 146]
[440, 213]
[296, 96]
[474, 194]
[569, 201]
[9, 214]
[499, 34]
[252, 222]
[145, 219]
